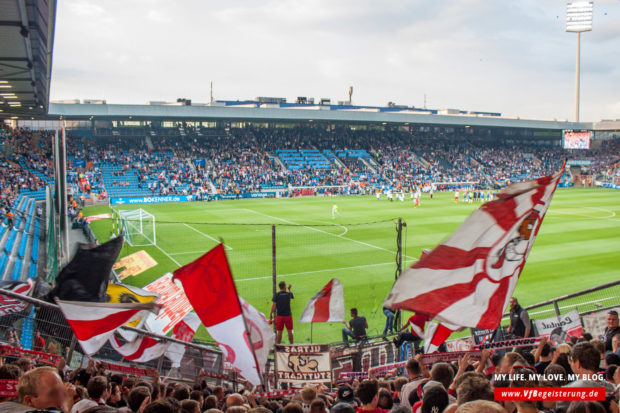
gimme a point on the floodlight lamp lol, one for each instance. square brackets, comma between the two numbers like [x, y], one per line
[579, 16]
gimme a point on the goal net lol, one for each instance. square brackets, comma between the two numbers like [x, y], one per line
[137, 227]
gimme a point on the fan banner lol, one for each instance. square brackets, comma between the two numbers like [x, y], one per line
[175, 305]
[134, 264]
[10, 305]
[39, 356]
[8, 388]
[559, 329]
[299, 364]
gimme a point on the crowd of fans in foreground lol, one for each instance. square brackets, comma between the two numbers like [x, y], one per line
[461, 387]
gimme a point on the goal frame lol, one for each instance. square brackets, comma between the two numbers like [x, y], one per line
[132, 233]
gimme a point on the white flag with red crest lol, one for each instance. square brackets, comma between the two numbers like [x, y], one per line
[468, 279]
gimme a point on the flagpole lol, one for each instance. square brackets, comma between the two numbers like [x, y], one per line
[245, 324]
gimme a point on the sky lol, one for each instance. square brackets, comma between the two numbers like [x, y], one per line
[512, 57]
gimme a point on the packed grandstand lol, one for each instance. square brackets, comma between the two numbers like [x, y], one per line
[234, 161]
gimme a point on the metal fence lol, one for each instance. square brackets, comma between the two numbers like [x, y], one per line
[50, 232]
[19, 329]
[593, 299]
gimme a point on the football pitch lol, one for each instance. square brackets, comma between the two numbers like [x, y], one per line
[577, 247]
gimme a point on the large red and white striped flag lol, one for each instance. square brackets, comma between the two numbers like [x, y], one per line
[210, 289]
[94, 323]
[435, 335]
[261, 335]
[326, 305]
[468, 279]
[141, 350]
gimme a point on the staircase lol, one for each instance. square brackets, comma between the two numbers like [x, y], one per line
[278, 161]
[368, 165]
[19, 245]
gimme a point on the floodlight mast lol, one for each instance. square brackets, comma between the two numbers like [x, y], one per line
[578, 20]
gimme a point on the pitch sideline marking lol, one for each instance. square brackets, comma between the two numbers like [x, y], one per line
[317, 271]
[336, 225]
[325, 232]
[207, 236]
[188, 252]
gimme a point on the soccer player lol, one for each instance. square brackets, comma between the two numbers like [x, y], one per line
[432, 190]
[390, 197]
[282, 309]
[456, 196]
[378, 193]
[417, 198]
[335, 211]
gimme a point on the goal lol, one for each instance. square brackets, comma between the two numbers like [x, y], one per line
[137, 227]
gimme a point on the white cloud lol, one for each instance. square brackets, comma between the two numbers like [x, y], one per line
[510, 57]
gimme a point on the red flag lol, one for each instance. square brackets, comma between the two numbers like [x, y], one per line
[467, 280]
[210, 289]
[94, 323]
[326, 305]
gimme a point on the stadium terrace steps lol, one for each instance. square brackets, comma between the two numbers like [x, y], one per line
[20, 244]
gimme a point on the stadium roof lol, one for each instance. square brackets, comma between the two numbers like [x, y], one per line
[26, 43]
[73, 111]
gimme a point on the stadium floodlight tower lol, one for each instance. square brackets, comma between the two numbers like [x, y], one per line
[578, 19]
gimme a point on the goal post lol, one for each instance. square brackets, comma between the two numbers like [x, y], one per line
[137, 227]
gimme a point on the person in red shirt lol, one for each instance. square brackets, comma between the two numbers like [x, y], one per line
[417, 323]
[39, 342]
[368, 393]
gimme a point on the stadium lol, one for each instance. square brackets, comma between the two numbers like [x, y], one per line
[326, 197]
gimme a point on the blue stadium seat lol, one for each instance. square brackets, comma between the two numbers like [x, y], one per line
[4, 258]
[34, 253]
[9, 242]
[22, 245]
[32, 272]
[17, 270]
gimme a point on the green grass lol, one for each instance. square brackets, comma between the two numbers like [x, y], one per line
[578, 246]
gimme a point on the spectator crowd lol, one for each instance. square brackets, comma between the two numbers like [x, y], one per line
[442, 387]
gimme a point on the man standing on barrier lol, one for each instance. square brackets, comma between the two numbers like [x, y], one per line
[417, 323]
[520, 323]
[282, 309]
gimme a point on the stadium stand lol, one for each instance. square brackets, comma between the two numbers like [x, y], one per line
[194, 160]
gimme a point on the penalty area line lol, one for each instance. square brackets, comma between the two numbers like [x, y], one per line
[318, 271]
[168, 255]
[325, 232]
[207, 236]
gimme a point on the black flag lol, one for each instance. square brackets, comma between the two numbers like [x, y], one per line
[86, 277]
